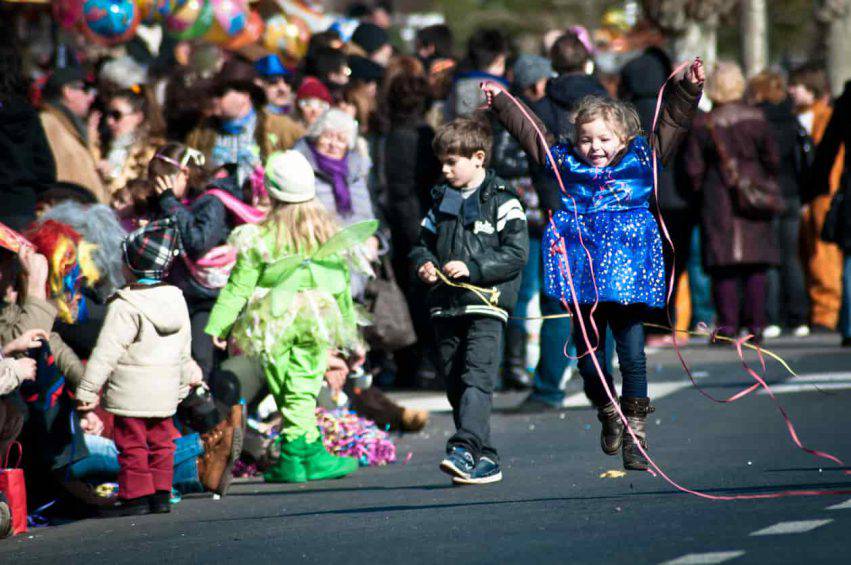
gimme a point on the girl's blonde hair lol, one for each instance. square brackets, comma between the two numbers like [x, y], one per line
[301, 227]
[621, 117]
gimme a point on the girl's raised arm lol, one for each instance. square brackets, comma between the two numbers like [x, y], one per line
[520, 121]
[678, 110]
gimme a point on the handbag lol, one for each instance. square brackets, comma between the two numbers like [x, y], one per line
[755, 195]
[391, 328]
[14, 489]
[835, 228]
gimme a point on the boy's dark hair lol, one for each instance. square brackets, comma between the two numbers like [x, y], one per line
[486, 46]
[812, 77]
[463, 136]
[440, 37]
[568, 54]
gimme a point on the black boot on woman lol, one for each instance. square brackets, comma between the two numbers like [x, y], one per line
[636, 411]
[611, 436]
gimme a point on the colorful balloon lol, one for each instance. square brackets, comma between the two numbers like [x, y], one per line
[190, 19]
[251, 34]
[288, 35]
[231, 15]
[110, 22]
[152, 11]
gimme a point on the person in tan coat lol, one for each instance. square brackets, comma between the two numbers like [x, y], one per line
[143, 357]
[64, 119]
[25, 307]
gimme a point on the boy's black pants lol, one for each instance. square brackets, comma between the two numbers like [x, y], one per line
[469, 350]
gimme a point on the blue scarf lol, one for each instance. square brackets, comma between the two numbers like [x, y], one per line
[236, 126]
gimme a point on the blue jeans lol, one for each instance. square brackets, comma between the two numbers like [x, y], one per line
[626, 325]
[102, 461]
[845, 308]
[700, 285]
[549, 380]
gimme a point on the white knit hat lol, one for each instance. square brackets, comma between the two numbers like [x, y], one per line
[289, 177]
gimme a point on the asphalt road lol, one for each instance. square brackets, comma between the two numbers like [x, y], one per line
[553, 506]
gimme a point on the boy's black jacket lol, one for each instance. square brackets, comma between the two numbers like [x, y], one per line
[492, 241]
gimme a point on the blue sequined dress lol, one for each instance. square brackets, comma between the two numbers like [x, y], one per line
[609, 207]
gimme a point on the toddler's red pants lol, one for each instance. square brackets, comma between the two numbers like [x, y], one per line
[145, 454]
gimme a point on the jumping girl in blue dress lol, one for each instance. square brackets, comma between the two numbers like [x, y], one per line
[608, 238]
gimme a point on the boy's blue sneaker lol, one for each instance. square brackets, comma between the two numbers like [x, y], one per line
[458, 463]
[486, 471]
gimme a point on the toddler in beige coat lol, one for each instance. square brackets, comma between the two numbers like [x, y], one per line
[143, 357]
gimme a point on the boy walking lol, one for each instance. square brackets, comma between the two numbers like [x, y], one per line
[475, 232]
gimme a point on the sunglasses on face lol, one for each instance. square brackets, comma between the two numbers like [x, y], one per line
[314, 103]
[117, 114]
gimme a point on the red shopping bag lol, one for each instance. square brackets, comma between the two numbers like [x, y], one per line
[12, 485]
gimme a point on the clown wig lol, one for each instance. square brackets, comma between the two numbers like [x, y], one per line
[69, 264]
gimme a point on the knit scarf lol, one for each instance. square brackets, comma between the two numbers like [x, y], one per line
[338, 170]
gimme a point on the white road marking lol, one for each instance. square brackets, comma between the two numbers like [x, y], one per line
[796, 527]
[841, 506]
[812, 382]
[705, 558]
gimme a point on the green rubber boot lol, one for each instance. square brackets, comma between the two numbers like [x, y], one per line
[290, 466]
[322, 465]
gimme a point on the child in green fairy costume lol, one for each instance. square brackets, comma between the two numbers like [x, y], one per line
[288, 302]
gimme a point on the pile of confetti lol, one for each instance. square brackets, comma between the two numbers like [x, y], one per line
[345, 434]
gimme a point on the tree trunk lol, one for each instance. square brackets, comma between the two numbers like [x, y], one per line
[835, 16]
[754, 27]
[697, 39]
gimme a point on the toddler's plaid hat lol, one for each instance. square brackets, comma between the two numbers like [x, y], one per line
[150, 250]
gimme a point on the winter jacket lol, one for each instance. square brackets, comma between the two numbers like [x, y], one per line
[203, 224]
[142, 353]
[74, 160]
[410, 170]
[489, 235]
[36, 313]
[26, 162]
[555, 110]
[10, 378]
[359, 166]
[273, 133]
[836, 135]
[731, 239]
[786, 131]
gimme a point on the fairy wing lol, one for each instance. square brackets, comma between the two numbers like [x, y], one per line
[355, 234]
[282, 268]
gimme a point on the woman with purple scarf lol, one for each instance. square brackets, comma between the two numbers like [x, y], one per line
[341, 172]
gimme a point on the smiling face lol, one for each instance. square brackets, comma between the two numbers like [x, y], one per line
[333, 144]
[463, 172]
[597, 143]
